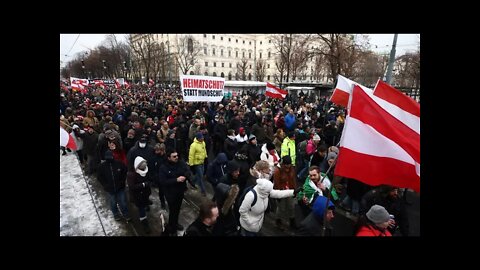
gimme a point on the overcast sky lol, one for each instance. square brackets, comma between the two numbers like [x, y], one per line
[71, 44]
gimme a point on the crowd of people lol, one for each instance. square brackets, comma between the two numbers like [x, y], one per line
[260, 155]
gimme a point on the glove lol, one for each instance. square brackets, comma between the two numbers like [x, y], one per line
[296, 191]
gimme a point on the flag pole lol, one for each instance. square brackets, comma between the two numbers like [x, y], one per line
[329, 194]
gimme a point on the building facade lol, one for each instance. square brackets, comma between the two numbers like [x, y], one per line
[233, 55]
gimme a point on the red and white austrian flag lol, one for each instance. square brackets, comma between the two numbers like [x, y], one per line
[275, 92]
[380, 143]
[343, 89]
[66, 140]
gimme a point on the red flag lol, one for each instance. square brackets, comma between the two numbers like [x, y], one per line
[380, 142]
[150, 82]
[67, 140]
[127, 85]
[117, 84]
[343, 89]
[275, 92]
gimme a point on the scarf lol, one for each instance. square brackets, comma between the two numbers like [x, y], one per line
[142, 173]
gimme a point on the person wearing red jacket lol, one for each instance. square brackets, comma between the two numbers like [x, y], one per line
[376, 222]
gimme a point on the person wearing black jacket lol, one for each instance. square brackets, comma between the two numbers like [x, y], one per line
[207, 217]
[139, 187]
[173, 176]
[112, 174]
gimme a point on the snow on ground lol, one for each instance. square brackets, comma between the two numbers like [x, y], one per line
[78, 212]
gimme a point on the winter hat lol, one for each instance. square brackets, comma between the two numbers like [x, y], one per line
[241, 129]
[137, 161]
[377, 214]
[199, 136]
[286, 160]
[251, 137]
[270, 146]
[316, 137]
[331, 155]
[144, 138]
[319, 206]
[170, 132]
[232, 166]
[75, 126]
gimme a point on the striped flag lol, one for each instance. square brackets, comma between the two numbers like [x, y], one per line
[275, 92]
[343, 89]
[67, 140]
[380, 143]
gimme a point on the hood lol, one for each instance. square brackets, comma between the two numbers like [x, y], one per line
[137, 161]
[221, 159]
[264, 148]
[319, 206]
[264, 186]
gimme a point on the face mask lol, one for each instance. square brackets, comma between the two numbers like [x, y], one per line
[142, 145]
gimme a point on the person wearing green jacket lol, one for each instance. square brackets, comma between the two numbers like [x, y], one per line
[288, 147]
[312, 188]
[196, 158]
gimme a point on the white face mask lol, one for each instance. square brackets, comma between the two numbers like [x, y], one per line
[142, 145]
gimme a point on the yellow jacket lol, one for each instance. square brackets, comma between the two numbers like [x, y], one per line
[197, 153]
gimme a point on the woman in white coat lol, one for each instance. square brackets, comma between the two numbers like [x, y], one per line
[251, 217]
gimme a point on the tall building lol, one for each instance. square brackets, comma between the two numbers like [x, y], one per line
[231, 56]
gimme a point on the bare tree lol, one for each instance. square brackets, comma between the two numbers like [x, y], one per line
[143, 49]
[408, 70]
[341, 54]
[242, 67]
[188, 50]
[261, 70]
[293, 53]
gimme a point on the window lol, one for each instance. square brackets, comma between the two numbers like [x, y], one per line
[243, 54]
[268, 78]
[311, 78]
[221, 38]
[221, 52]
[260, 43]
[244, 42]
[250, 66]
[222, 75]
[205, 50]
[229, 39]
[214, 65]
[229, 76]
[249, 76]
[260, 55]
[236, 40]
[206, 64]
[268, 66]
[223, 66]
[250, 43]
[214, 74]
[268, 54]
[229, 53]
[230, 64]
[204, 35]
[269, 41]
[250, 55]
[213, 36]
[213, 51]
[192, 73]
[206, 73]
[236, 54]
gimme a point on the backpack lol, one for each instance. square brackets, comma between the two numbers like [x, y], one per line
[302, 149]
[244, 193]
